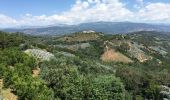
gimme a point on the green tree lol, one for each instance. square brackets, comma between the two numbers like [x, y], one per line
[108, 87]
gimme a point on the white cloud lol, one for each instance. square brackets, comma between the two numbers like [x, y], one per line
[155, 12]
[6, 21]
[94, 10]
[98, 10]
[82, 11]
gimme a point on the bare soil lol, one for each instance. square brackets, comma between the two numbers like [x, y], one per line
[112, 55]
[7, 93]
[36, 72]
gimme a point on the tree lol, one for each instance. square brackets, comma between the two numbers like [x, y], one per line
[68, 83]
[108, 87]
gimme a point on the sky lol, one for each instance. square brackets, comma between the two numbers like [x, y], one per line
[16, 13]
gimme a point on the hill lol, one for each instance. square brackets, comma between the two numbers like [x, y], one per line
[85, 65]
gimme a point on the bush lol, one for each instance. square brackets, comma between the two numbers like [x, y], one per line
[11, 56]
[20, 80]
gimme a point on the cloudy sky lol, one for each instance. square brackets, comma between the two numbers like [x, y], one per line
[15, 13]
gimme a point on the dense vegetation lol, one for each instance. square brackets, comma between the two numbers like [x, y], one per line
[79, 73]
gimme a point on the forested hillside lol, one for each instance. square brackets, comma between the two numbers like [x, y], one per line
[85, 66]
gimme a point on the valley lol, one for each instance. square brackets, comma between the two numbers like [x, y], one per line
[85, 65]
[84, 50]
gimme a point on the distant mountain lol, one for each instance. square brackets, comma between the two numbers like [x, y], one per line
[106, 27]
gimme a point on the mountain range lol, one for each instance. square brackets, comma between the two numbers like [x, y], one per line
[105, 27]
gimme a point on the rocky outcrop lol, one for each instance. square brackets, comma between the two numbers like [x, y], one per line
[137, 53]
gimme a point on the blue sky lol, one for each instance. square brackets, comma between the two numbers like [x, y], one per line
[16, 8]
[46, 12]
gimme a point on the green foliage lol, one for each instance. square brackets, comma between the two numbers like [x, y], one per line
[62, 81]
[108, 87]
[84, 76]
[92, 52]
[138, 82]
[3, 69]
[124, 47]
[16, 70]
[11, 56]
[10, 40]
[67, 82]
[24, 85]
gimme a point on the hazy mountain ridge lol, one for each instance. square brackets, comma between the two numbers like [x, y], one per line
[105, 27]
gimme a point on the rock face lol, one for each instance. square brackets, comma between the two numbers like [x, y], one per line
[134, 49]
[40, 54]
[137, 53]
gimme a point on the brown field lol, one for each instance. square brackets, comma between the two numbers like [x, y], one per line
[111, 55]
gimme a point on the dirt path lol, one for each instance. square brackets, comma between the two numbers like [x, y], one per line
[8, 95]
[1, 84]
